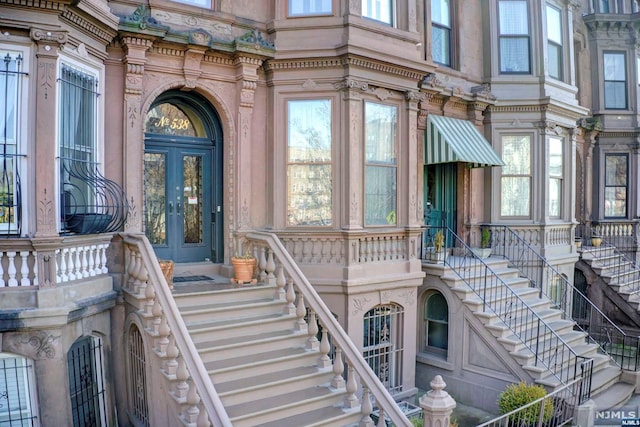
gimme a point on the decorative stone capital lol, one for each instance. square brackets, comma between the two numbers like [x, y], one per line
[48, 41]
[349, 83]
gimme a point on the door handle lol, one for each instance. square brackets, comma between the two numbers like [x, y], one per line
[170, 208]
[178, 208]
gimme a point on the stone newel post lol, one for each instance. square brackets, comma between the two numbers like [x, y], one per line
[437, 404]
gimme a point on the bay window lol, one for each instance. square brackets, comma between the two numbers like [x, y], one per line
[555, 177]
[515, 182]
[441, 32]
[616, 170]
[380, 163]
[514, 37]
[17, 391]
[309, 183]
[380, 10]
[554, 42]
[615, 81]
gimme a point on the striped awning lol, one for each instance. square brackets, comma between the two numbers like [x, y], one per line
[454, 140]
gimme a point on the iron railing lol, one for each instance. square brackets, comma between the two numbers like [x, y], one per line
[620, 346]
[544, 344]
[553, 410]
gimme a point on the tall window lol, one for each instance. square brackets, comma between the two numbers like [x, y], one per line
[383, 345]
[309, 7]
[436, 322]
[77, 140]
[309, 162]
[17, 392]
[380, 10]
[11, 88]
[555, 177]
[515, 43]
[381, 164]
[138, 403]
[554, 42]
[441, 31]
[615, 81]
[615, 185]
[515, 182]
[604, 6]
[86, 383]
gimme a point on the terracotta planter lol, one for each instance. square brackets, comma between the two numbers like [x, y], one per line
[244, 270]
[167, 270]
[596, 241]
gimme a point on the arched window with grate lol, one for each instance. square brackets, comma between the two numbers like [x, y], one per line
[86, 382]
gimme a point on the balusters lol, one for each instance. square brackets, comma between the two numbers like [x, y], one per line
[181, 388]
[193, 401]
[351, 400]
[325, 347]
[171, 362]
[76, 265]
[312, 327]
[290, 297]
[163, 334]
[12, 269]
[301, 311]
[85, 262]
[62, 268]
[281, 281]
[338, 369]
[2, 282]
[24, 269]
[366, 409]
[203, 418]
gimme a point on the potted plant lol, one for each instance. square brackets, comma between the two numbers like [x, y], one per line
[436, 252]
[166, 265]
[596, 239]
[244, 268]
[485, 244]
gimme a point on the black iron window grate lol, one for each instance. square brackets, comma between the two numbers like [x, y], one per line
[86, 383]
[90, 203]
[11, 85]
[382, 344]
[16, 409]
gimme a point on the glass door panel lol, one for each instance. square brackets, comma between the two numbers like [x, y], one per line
[155, 197]
[193, 207]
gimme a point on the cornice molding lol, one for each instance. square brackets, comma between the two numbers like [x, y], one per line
[38, 4]
[99, 31]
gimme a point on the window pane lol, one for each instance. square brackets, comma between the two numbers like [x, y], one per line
[615, 192]
[10, 72]
[516, 154]
[440, 12]
[616, 170]
[554, 25]
[514, 54]
[614, 67]
[309, 173]
[437, 308]
[615, 95]
[441, 45]
[199, 3]
[380, 10]
[380, 133]
[16, 408]
[615, 202]
[555, 61]
[437, 335]
[555, 157]
[309, 7]
[513, 17]
[169, 119]
[555, 191]
[515, 196]
[380, 197]
[154, 198]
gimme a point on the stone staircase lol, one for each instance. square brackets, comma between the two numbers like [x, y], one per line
[263, 364]
[510, 330]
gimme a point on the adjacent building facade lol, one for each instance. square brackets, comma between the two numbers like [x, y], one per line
[348, 129]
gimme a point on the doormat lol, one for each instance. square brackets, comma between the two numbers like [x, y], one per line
[191, 279]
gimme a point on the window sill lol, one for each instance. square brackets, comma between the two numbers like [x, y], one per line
[433, 360]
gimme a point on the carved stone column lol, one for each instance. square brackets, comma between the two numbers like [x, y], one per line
[47, 44]
[247, 72]
[352, 190]
[133, 152]
[414, 170]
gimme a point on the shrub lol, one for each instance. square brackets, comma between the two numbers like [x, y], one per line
[517, 395]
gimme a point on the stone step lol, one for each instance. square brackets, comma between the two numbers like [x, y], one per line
[229, 328]
[323, 417]
[613, 397]
[230, 296]
[212, 311]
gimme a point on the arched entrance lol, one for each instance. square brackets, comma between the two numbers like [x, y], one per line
[183, 178]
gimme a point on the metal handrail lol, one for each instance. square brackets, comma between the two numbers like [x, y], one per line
[588, 318]
[498, 297]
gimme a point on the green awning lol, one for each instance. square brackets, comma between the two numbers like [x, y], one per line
[454, 140]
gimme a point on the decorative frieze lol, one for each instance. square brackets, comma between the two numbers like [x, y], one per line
[35, 345]
[350, 83]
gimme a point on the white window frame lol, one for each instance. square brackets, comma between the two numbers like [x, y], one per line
[380, 10]
[205, 4]
[524, 175]
[28, 381]
[555, 41]
[504, 35]
[556, 177]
